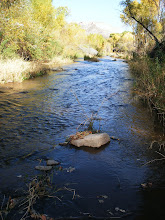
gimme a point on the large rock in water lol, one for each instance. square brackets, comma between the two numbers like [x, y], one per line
[89, 51]
[92, 140]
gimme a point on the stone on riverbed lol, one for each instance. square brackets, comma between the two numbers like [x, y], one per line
[92, 140]
[43, 168]
[52, 162]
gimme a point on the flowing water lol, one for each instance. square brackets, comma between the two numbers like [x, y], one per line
[38, 114]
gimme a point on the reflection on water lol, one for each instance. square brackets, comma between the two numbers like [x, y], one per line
[38, 114]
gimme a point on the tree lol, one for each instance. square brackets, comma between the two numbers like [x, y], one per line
[43, 12]
[114, 39]
[97, 41]
[8, 3]
[60, 15]
[123, 42]
[148, 14]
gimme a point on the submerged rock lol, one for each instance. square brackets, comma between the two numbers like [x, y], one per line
[92, 140]
[43, 168]
[93, 59]
[63, 144]
[52, 162]
[57, 69]
[70, 169]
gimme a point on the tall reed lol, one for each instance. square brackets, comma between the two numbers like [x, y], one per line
[150, 80]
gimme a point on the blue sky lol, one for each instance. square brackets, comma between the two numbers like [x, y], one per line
[106, 11]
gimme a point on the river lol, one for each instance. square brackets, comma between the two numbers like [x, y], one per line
[38, 114]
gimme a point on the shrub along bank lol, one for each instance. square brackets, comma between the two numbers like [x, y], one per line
[150, 80]
[147, 18]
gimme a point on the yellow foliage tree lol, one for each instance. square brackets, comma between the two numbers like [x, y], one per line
[123, 42]
[73, 37]
[97, 41]
[30, 29]
[43, 12]
[146, 17]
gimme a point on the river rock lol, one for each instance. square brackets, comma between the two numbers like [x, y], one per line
[57, 69]
[89, 51]
[43, 168]
[52, 162]
[92, 140]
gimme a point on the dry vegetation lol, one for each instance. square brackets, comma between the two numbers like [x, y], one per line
[150, 81]
[17, 70]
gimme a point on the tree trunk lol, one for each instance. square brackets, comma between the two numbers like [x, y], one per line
[155, 38]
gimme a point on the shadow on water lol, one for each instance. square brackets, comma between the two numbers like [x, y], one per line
[38, 114]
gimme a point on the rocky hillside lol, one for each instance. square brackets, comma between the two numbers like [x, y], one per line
[97, 28]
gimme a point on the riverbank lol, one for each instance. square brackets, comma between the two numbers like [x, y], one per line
[150, 82]
[17, 70]
[121, 55]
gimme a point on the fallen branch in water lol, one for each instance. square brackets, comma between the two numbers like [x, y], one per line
[160, 143]
[151, 161]
[71, 190]
[114, 138]
[37, 188]
[33, 195]
[94, 217]
[6, 207]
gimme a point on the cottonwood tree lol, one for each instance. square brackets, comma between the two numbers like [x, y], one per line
[29, 29]
[8, 3]
[147, 18]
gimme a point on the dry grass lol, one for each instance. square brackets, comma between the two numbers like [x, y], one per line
[79, 135]
[17, 70]
[59, 61]
[39, 187]
[36, 189]
[13, 70]
[150, 81]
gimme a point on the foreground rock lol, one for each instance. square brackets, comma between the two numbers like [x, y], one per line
[52, 162]
[43, 168]
[92, 140]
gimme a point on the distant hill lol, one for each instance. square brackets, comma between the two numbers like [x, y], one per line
[97, 28]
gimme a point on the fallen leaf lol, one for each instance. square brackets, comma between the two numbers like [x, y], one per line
[60, 168]
[43, 217]
[146, 185]
[122, 210]
[117, 209]
[69, 169]
[19, 176]
[104, 196]
[101, 201]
